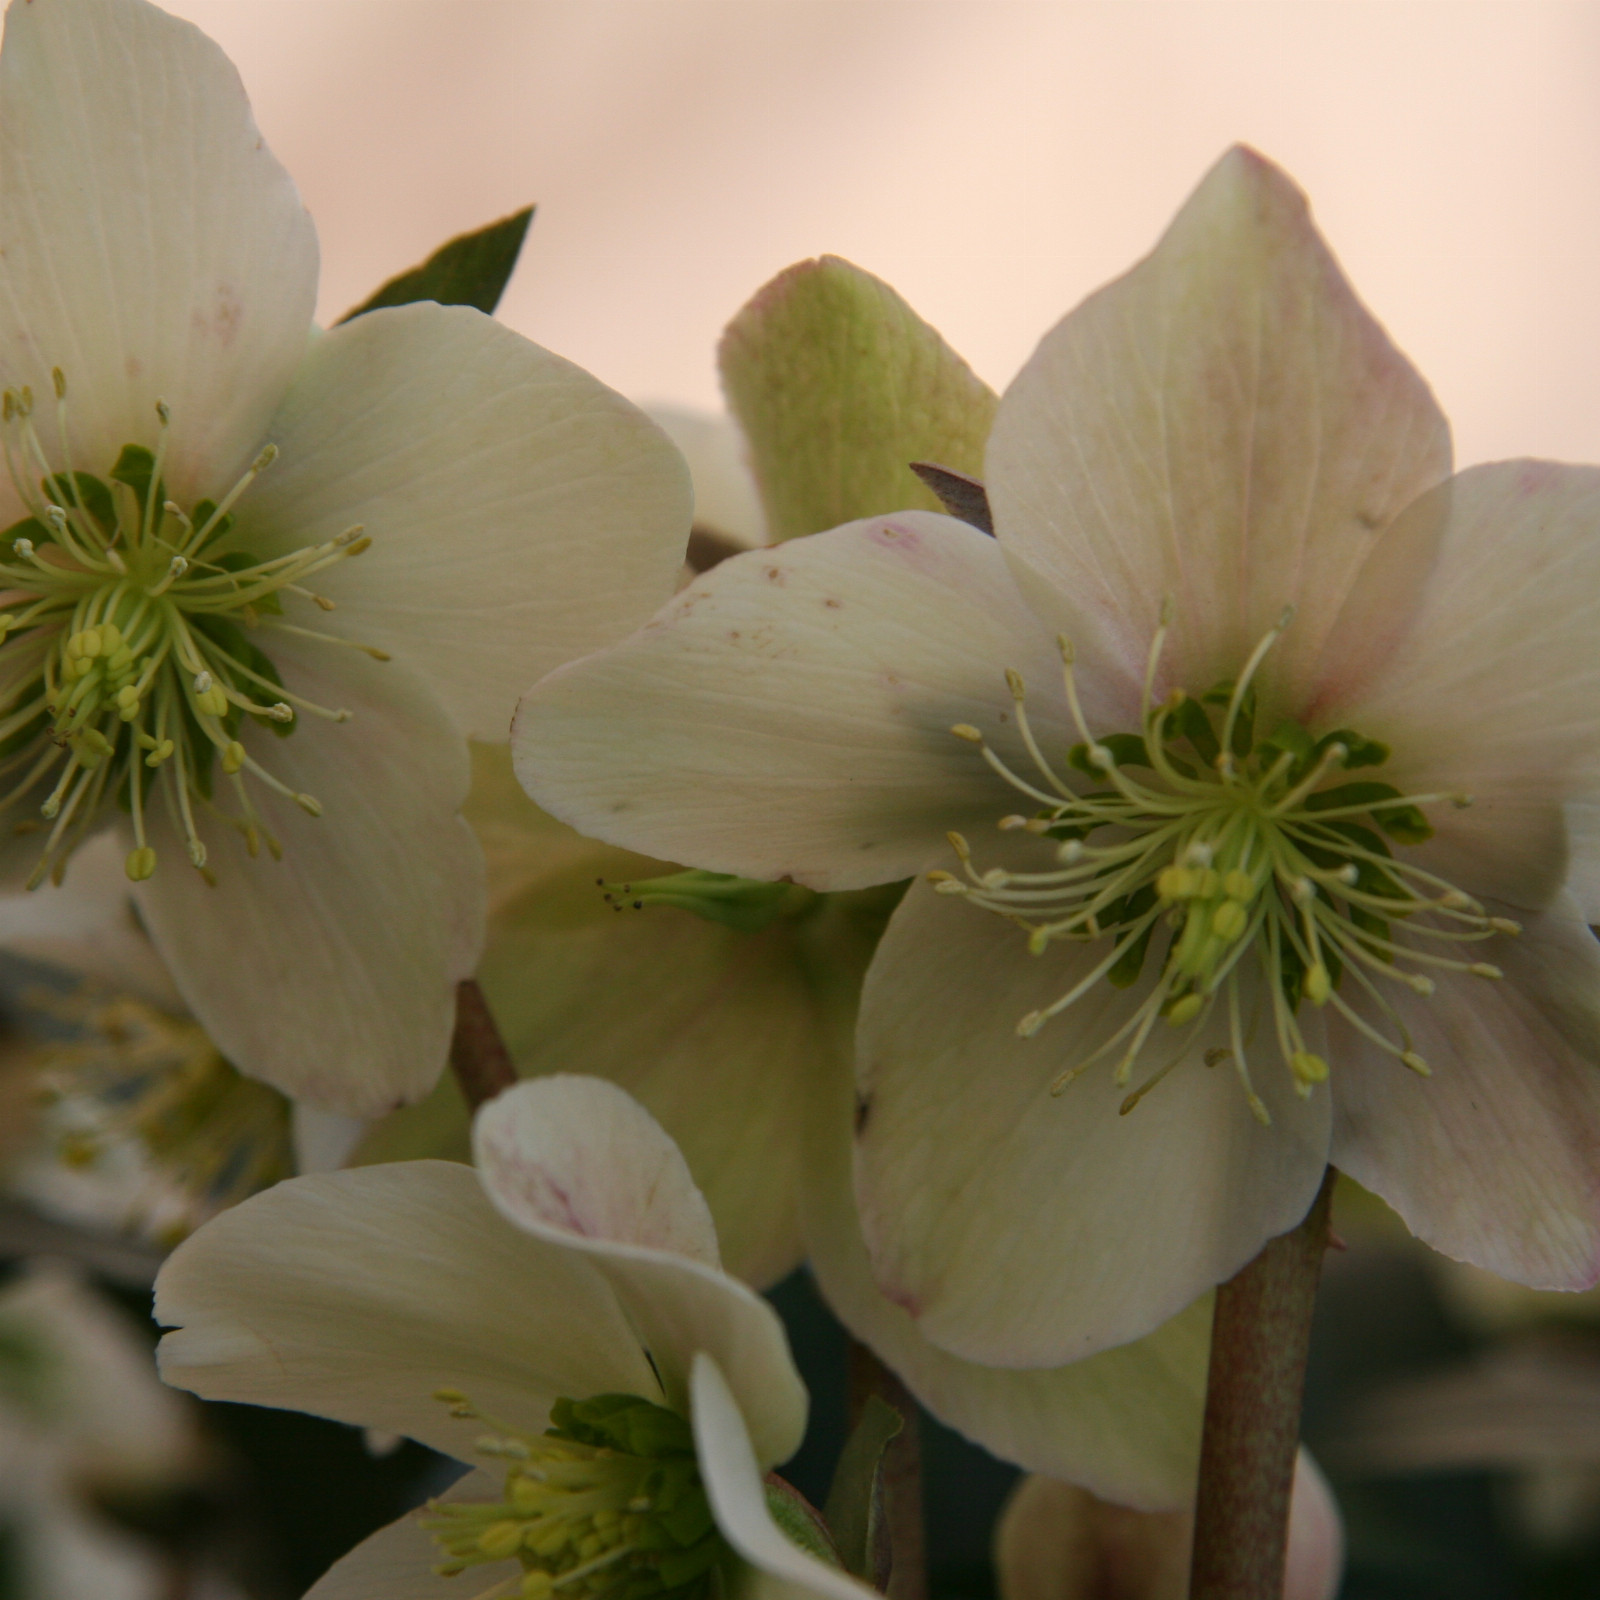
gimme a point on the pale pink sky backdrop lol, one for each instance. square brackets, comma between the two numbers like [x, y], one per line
[995, 161]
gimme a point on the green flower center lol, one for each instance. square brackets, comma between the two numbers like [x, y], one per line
[1214, 845]
[125, 639]
[607, 1502]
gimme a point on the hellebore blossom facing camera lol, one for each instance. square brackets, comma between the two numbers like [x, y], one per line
[258, 581]
[559, 1312]
[1239, 761]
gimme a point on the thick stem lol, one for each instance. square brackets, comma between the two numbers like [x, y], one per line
[901, 1474]
[1260, 1334]
[478, 1055]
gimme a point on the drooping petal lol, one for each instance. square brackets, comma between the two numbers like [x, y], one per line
[1025, 1230]
[1494, 692]
[1124, 1423]
[578, 1162]
[397, 1562]
[331, 974]
[153, 247]
[357, 1295]
[789, 714]
[732, 1476]
[521, 512]
[1225, 425]
[1492, 1158]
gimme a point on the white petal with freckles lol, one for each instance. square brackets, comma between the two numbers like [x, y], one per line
[789, 713]
[1124, 1423]
[356, 1295]
[154, 249]
[1226, 425]
[521, 512]
[331, 974]
[1492, 1158]
[543, 1150]
[732, 1477]
[1495, 691]
[1024, 1230]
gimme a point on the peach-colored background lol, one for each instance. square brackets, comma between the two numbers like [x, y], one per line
[994, 160]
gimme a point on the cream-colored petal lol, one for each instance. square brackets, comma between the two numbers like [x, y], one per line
[1124, 1423]
[521, 512]
[1492, 1158]
[1495, 689]
[1227, 426]
[1025, 1230]
[396, 1562]
[154, 249]
[331, 974]
[356, 1295]
[571, 1161]
[789, 714]
[732, 1476]
[1582, 818]
[725, 499]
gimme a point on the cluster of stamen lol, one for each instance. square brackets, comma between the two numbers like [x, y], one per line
[607, 1504]
[1227, 847]
[133, 1075]
[125, 624]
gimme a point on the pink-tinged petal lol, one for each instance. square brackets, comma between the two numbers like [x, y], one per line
[357, 1295]
[1492, 1158]
[153, 247]
[1225, 425]
[578, 1162]
[1124, 1423]
[1495, 690]
[789, 714]
[1027, 1230]
[521, 513]
[732, 1475]
[331, 974]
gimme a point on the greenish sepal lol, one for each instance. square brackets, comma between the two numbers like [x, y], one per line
[241, 561]
[200, 516]
[748, 904]
[92, 496]
[1124, 972]
[1127, 750]
[623, 1422]
[678, 1567]
[233, 641]
[1404, 823]
[1290, 739]
[1244, 724]
[1360, 751]
[470, 270]
[799, 1521]
[134, 468]
[1191, 721]
[689, 1520]
[855, 1497]
[838, 386]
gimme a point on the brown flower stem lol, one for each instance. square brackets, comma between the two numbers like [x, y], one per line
[478, 1055]
[1260, 1333]
[906, 1555]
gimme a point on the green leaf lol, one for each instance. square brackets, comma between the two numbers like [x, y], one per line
[471, 270]
[855, 1499]
[133, 468]
[1191, 721]
[839, 386]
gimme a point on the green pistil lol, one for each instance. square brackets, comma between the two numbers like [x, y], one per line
[606, 1503]
[126, 633]
[1212, 844]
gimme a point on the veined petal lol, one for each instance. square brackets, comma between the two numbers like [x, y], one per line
[154, 248]
[521, 512]
[789, 714]
[1225, 425]
[1125, 1423]
[1025, 1230]
[356, 1295]
[331, 974]
[578, 1162]
[732, 1476]
[1492, 1158]
[1495, 690]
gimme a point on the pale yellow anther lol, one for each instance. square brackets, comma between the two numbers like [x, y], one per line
[1064, 645]
[110, 638]
[1030, 1024]
[526, 1495]
[281, 711]
[451, 1397]
[93, 739]
[59, 379]
[1101, 757]
[211, 699]
[1206, 884]
[1175, 883]
[1417, 1064]
[1069, 852]
[268, 455]
[356, 547]
[128, 697]
[197, 855]
[163, 413]
[1485, 969]
[1012, 823]
[1229, 920]
[141, 863]
[1014, 683]
[501, 1539]
[1308, 1068]
[1238, 885]
[160, 753]
[1185, 1010]
[1505, 925]
[309, 804]
[537, 1585]
[959, 844]
[232, 757]
[965, 730]
[1318, 984]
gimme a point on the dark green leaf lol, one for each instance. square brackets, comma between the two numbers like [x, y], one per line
[471, 270]
[1362, 751]
[1290, 738]
[133, 468]
[1191, 721]
[1127, 750]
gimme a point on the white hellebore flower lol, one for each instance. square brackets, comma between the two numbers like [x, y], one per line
[560, 1310]
[226, 528]
[1240, 655]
